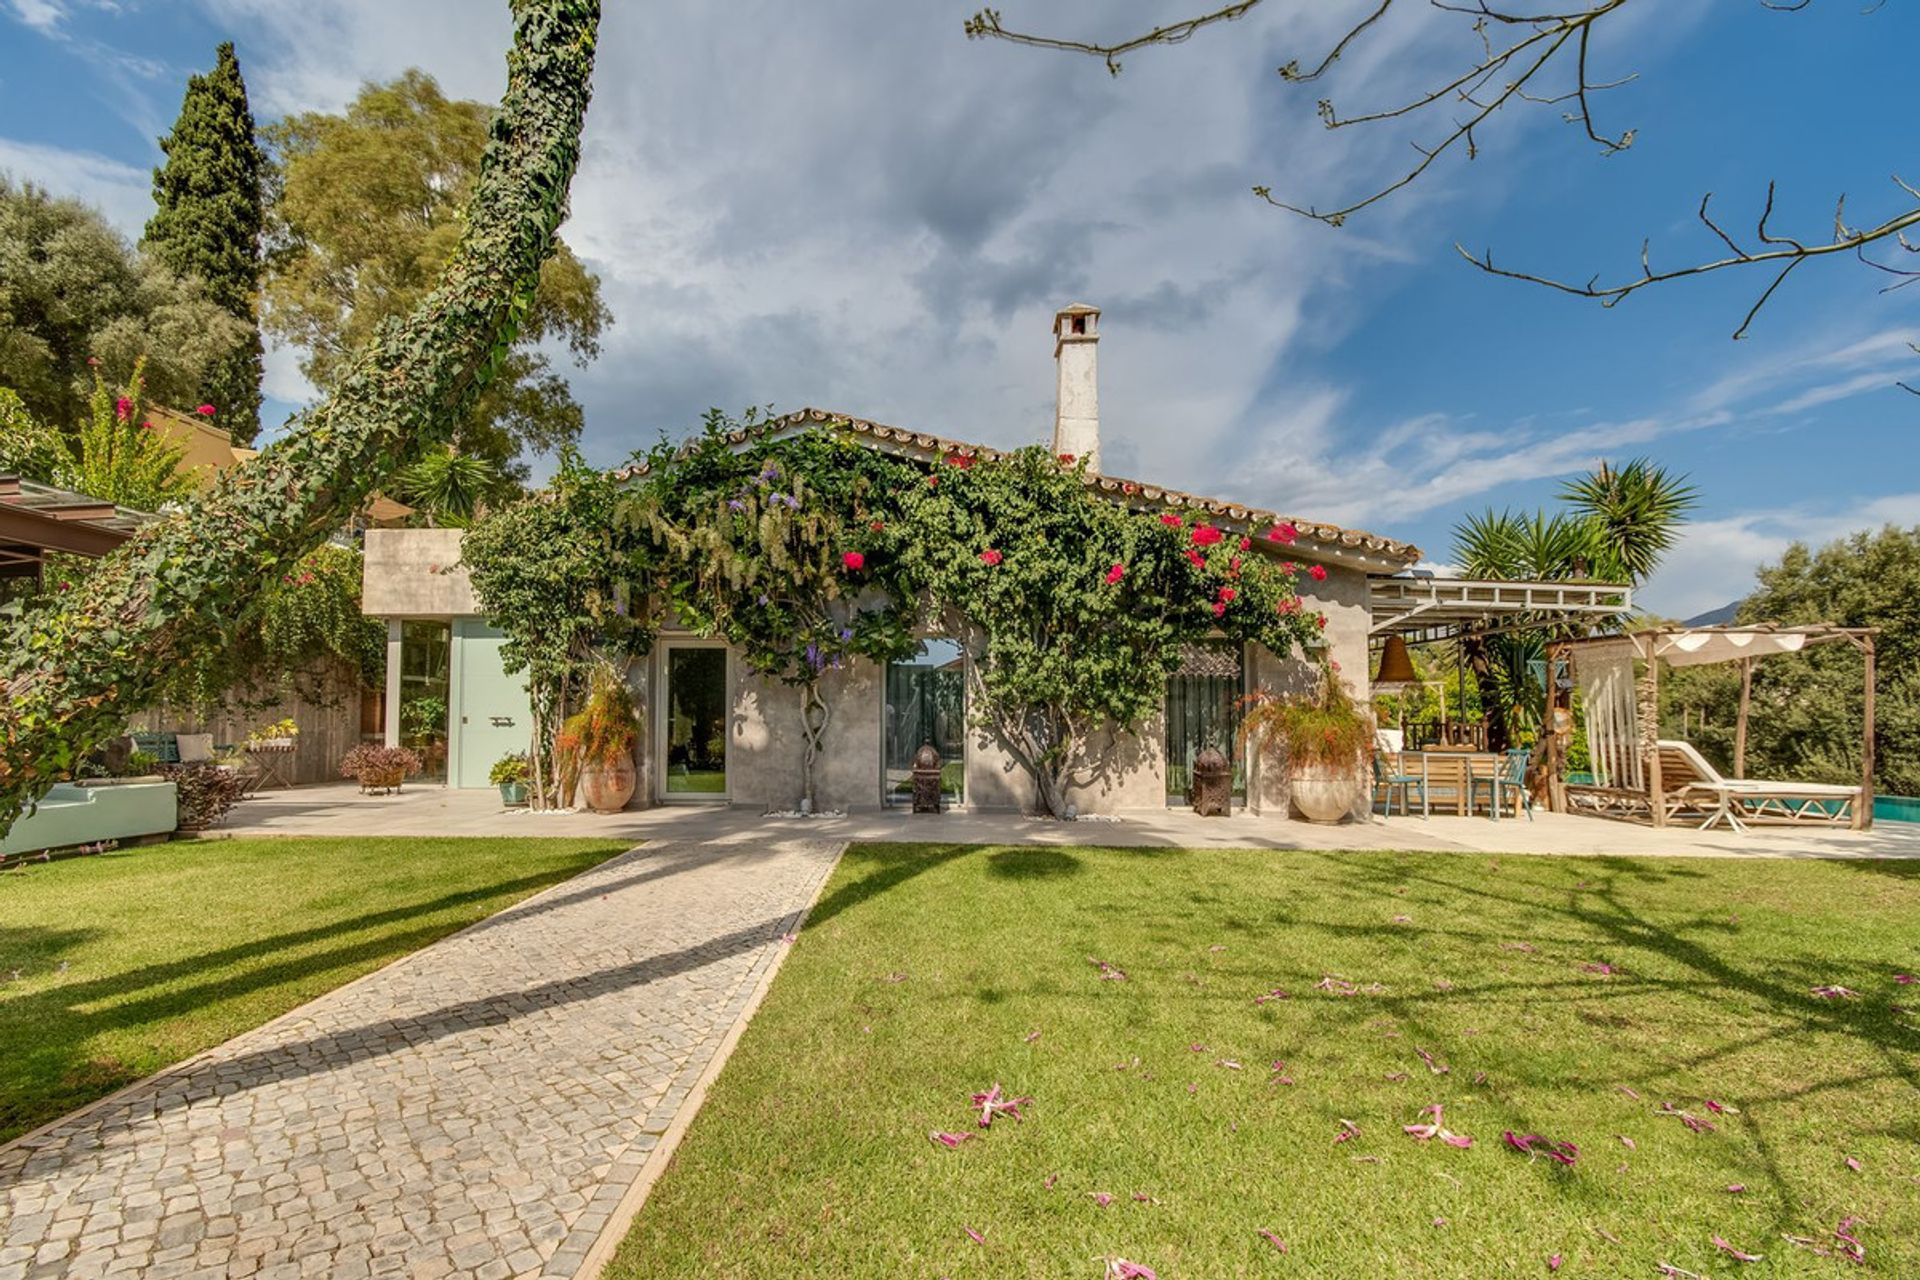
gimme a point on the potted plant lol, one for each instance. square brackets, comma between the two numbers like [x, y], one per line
[378, 768]
[1324, 740]
[510, 773]
[599, 739]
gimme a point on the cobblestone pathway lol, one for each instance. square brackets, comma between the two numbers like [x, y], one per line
[475, 1110]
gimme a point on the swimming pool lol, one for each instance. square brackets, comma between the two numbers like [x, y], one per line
[1896, 808]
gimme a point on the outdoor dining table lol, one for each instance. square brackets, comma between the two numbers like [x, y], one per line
[1450, 772]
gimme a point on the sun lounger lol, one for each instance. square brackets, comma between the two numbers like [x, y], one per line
[1694, 788]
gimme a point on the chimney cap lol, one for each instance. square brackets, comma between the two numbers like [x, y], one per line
[1078, 309]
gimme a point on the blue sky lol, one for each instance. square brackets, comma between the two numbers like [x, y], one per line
[861, 210]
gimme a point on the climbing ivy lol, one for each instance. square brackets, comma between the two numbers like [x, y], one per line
[71, 671]
[788, 548]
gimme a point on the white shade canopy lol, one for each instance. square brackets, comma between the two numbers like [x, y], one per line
[1697, 648]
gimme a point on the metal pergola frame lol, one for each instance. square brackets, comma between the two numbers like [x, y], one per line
[1426, 610]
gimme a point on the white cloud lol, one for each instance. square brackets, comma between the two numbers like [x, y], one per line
[123, 192]
[1715, 560]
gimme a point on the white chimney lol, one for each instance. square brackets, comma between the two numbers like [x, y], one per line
[1076, 417]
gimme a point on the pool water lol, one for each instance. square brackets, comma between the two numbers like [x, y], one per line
[1896, 808]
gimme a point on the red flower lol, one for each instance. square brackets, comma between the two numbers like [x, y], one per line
[853, 561]
[146, 426]
[123, 408]
[1227, 593]
[1129, 487]
[1246, 544]
[93, 362]
[1288, 606]
[876, 526]
[1233, 566]
[1067, 458]
[1197, 559]
[205, 411]
[1318, 573]
[1116, 573]
[1219, 608]
[991, 557]
[1320, 621]
[933, 482]
[1289, 568]
[1282, 533]
[1170, 520]
[1205, 535]
[959, 460]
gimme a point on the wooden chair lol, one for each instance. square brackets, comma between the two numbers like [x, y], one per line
[1509, 777]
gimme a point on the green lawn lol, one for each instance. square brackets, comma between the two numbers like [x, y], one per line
[925, 972]
[130, 961]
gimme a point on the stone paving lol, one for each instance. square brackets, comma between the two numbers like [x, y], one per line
[475, 1110]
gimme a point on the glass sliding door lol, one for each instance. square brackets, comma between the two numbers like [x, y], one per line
[424, 651]
[694, 735]
[1203, 710]
[927, 702]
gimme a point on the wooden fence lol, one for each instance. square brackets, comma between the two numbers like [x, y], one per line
[338, 718]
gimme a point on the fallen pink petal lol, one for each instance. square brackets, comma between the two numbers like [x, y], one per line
[1738, 1255]
[1102, 1198]
[949, 1140]
[1626, 1142]
[1850, 1246]
[1278, 993]
[1108, 972]
[992, 1103]
[1679, 1273]
[1853, 1164]
[974, 1236]
[1051, 1179]
[1905, 979]
[1629, 1091]
[1599, 968]
[1434, 1065]
[1737, 1188]
[1554, 1263]
[1032, 1036]
[1273, 1240]
[1338, 985]
[1698, 1124]
[1228, 1063]
[1121, 1269]
[1836, 993]
[1348, 1131]
[1533, 1144]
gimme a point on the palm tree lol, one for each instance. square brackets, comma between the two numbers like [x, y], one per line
[450, 487]
[1618, 523]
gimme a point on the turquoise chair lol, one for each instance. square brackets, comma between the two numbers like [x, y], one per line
[1392, 780]
[1510, 776]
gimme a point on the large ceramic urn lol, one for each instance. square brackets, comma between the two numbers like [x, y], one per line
[606, 787]
[1322, 792]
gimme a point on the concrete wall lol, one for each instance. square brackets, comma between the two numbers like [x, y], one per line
[415, 573]
[1343, 598]
[766, 748]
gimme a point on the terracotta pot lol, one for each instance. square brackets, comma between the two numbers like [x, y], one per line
[1323, 793]
[606, 787]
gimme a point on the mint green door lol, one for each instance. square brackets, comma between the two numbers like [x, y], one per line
[491, 715]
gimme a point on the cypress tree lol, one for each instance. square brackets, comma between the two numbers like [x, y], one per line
[208, 224]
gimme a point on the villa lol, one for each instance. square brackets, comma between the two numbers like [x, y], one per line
[715, 732]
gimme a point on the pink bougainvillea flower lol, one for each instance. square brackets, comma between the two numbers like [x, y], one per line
[1677, 1273]
[1282, 533]
[1278, 993]
[1032, 1036]
[991, 557]
[1219, 608]
[1737, 1188]
[1116, 573]
[1067, 458]
[123, 408]
[853, 561]
[1434, 1065]
[1273, 1240]
[1850, 1246]
[1108, 972]
[1228, 1063]
[1336, 984]
[1738, 1255]
[1318, 573]
[1348, 1132]
[146, 426]
[1437, 1129]
[1722, 1108]
[1598, 968]
[1533, 1144]
[1121, 1269]
[1630, 1092]
[1279, 1075]
[1403, 919]
[205, 411]
[1320, 621]
[1626, 1142]
[1905, 979]
[992, 1103]
[1171, 520]
[1554, 1263]
[1101, 1198]
[960, 460]
[1142, 1197]
[948, 1140]
[974, 1236]
[1205, 535]
[1195, 559]
[1196, 1047]
[1836, 993]
[1228, 593]
[1698, 1124]
[1051, 1179]
[1853, 1164]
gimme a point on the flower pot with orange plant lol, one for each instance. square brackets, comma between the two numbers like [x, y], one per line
[1324, 741]
[598, 742]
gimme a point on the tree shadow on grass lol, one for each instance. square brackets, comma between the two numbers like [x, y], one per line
[891, 866]
[1033, 863]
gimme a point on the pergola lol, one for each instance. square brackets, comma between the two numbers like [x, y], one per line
[36, 519]
[1422, 609]
[1630, 730]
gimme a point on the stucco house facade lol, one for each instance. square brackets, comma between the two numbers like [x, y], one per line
[714, 732]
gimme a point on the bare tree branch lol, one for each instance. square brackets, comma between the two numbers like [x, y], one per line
[985, 25]
[1786, 252]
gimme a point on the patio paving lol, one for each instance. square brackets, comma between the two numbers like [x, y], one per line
[478, 1109]
[341, 810]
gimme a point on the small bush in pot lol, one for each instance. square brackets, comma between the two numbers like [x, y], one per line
[1323, 739]
[510, 773]
[379, 768]
[204, 792]
[598, 741]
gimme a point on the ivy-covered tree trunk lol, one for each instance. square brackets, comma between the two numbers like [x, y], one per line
[72, 671]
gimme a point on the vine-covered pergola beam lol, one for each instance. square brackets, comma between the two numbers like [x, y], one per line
[71, 671]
